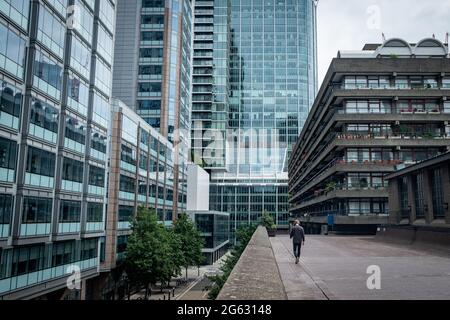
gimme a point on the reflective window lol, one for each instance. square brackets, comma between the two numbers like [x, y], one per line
[44, 115]
[27, 259]
[98, 141]
[47, 75]
[40, 162]
[8, 157]
[75, 130]
[102, 76]
[94, 212]
[37, 210]
[10, 105]
[77, 94]
[129, 130]
[85, 24]
[125, 213]
[63, 252]
[127, 184]
[80, 58]
[107, 14]
[12, 52]
[17, 10]
[72, 170]
[96, 176]
[101, 113]
[6, 206]
[105, 44]
[70, 211]
[51, 31]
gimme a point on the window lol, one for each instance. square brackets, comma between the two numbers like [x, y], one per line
[12, 52]
[143, 161]
[44, 115]
[6, 207]
[17, 10]
[127, 184]
[96, 176]
[10, 105]
[446, 107]
[27, 259]
[107, 14]
[128, 155]
[37, 210]
[85, 24]
[8, 154]
[98, 141]
[63, 253]
[105, 45]
[47, 75]
[51, 31]
[102, 76]
[101, 110]
[40, 162]
[94, 212]
[78, 94]
[80, 59]
[89, 249]
[125, 213]
[73, 170]
[69, 211]
[75, 130]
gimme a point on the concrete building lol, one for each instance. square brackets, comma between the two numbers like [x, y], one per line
[272, 84]
[384, 106]
[55, 76]
[419, 195]
[153, 70]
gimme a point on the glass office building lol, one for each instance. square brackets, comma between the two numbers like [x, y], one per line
[152, 71]
[272, 81]
[55, 86]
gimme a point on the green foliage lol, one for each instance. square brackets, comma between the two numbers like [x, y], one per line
[191, 242]
[267, 221]
[243, 236]
[153, 252]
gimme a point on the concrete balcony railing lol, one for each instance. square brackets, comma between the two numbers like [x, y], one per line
[256, 275]
[344, 193]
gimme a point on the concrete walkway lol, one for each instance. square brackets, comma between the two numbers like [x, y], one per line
[335, 267]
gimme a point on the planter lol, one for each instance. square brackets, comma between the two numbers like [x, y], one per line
[272, 232]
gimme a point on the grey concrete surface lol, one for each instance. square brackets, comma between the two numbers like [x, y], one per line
[335, 267]
[255, 276]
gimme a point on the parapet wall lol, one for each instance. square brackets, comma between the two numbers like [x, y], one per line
[256, 275]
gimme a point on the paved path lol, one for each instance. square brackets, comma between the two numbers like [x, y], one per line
[334, 267]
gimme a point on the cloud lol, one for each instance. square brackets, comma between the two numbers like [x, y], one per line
[349, 24]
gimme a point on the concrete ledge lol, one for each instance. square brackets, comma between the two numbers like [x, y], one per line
[256, 275]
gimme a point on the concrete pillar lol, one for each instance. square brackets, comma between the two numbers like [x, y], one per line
[394, 202]
[446, 190]
[411, 200]
[428, 196]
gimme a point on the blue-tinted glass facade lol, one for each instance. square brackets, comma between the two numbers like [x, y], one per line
[272, 75]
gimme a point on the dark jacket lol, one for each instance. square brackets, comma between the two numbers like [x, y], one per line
[297, 234]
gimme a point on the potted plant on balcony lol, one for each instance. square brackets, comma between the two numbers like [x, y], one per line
[331, 186]
[267, 221]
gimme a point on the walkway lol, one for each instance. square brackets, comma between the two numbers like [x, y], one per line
[334, 267]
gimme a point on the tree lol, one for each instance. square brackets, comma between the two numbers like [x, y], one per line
[148, 253]
[267, 221]
[191, 242]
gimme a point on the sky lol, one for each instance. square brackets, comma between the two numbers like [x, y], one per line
[349, 24]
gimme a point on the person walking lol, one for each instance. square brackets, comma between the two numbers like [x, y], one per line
[298, 238]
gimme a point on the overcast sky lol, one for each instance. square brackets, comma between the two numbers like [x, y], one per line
[349, 24]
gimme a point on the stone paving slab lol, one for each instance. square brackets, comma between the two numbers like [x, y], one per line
[334, 267]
